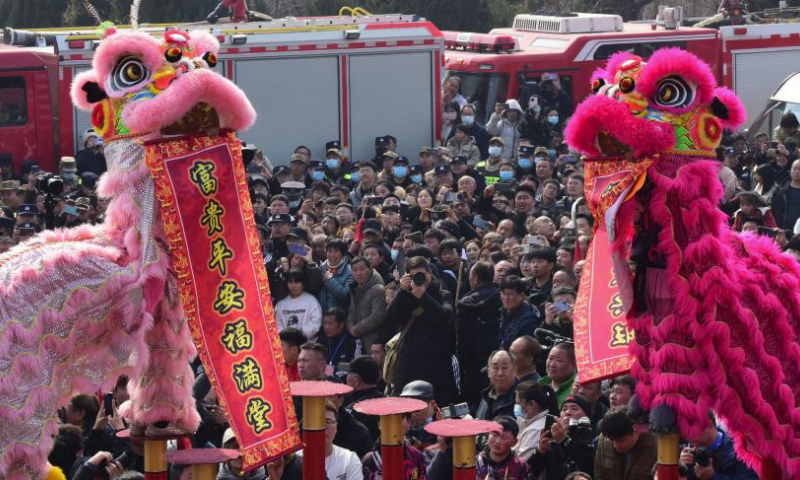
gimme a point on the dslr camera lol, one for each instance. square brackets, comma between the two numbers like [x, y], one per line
[580, 430]
[702, 456]
[50, 184]
[418, 278]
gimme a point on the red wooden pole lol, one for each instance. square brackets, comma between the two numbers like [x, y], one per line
[770, 469]
[313, 438]
[155, 464]
[668, 456]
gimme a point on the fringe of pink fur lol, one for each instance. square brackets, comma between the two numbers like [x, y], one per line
[731, 342]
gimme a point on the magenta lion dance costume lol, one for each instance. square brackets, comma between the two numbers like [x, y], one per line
[716, 315]
[79, 307]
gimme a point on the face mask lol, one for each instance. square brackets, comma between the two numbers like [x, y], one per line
[332, 163]
[294, 205]
[416, 178]
[553, 119]
[317, 175]
[394, 254]
[506, 175]
[468, 120]
[524, 162]
[400, 172]
[495, 151]
[355, 176]
[518, 411]
[450, 116]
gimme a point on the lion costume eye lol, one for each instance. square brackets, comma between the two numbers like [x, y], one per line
[211, 59]
[129, 72]
[173, 54]
[673, 92]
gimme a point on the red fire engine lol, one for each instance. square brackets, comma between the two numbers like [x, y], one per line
[514, 62]
[312, 80]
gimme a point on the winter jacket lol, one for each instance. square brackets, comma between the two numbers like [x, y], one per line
[467, 148]
[500, 126]
[764, 213]
[510, 467]
[477, 323]
[336, 291]
[529, 433]
[352, 434]
[637, 464]
[367, 309]
[562, 459]
[413, 464]
[481, 136]
[225, 473]
[423, 354]
[492, 405]
[726, 465]
[524, 321]
[369, 421]
[780, 135]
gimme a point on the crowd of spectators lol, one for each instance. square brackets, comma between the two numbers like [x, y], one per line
[451, 278]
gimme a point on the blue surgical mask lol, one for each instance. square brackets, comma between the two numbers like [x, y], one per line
[317, 175]
[400, 171]
[394, 254]
[468, 120]
[416, 178]
[518, 411]
[506, 175]
[355, 176]
[553, 119]
[332, 163]
[294, 205]
[495, 151]
[524, 162]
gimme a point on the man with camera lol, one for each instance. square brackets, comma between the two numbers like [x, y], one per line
[567, 445]
[622, 452]
[422, 311]
[710, 455]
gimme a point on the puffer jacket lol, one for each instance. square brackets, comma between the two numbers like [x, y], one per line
[467, 148]
[336, 291]
[501, 126]
[367, 309]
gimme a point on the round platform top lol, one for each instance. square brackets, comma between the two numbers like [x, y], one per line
[389, 406]
[462, 427]
[201, 456]
[318, 389]
[123, 433]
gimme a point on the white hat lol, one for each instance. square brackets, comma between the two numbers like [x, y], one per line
[228, 436]
[86, 135]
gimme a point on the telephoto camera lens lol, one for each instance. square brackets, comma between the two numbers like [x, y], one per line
[418, 278]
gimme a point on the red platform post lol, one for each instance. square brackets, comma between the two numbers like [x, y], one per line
[668, 456]
[463, 433]
[770, 470]
[390, 411]
[204, 461]
[314, 394]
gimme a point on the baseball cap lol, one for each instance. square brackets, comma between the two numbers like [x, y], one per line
[26, 226]
[424, 150]
[298, 233]
[9, 185]
[228, 436]
[280, 218]
[527, 150]
[389, 154]
[297, 157]
[27, 209]
[280, 169]
[459, 159]
[401, 159]
[380, 140]
[538, 150]
[292, 185]
[497, 140]
[87, 134]
[258, 179]
[366, 368]
[419, 389]
[414, 169]
[372, 225]
[441, 169]
[316, 164]
[333, 145]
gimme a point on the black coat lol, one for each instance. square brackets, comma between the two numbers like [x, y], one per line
[423, 354]
[477, 336]
[369, 421]
[352, 434]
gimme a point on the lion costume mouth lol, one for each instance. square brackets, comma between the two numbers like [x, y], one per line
[200, 118]
[608, 145]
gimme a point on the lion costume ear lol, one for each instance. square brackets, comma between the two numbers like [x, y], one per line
[86, 91]
[728, 108]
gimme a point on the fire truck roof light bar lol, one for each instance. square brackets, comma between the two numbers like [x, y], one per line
[479, 42]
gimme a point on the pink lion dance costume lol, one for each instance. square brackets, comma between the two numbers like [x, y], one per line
[716, 315]
[80, 307]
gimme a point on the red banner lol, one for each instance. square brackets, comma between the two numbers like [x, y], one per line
[208, 220]
[605, 294]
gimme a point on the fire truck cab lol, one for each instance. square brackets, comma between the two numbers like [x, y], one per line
[524, 60]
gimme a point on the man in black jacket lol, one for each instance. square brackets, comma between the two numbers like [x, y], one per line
[477, 330]
[422, 354]
[363, 377]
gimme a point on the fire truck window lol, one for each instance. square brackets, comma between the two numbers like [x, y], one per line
[483, 90]
[13, 102]
[560, 98]
[644, 50]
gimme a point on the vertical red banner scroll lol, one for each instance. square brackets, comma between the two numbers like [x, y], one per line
[604, 299]
[208, 220]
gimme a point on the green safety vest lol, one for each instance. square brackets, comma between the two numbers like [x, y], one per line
[490, 178]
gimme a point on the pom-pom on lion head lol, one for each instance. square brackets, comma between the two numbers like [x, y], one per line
[670, 103]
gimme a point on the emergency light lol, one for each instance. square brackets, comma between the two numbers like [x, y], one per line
[479, 42]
